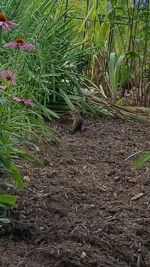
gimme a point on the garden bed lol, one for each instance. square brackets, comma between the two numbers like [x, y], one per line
[79, 209]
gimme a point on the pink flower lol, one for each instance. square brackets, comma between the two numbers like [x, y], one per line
[20, 43]
[27, 102]
[9, 76]
[4, 23]
[17, 99]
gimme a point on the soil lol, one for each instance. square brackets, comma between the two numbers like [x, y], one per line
[86, 206]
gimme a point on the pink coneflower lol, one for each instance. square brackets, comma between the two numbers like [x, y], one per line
[27, 102]
[8, 76]
[17, 99]
[20, 43]
[5, 23]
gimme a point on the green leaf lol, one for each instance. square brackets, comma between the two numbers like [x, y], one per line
[141, 161]
[4, 221]
[67, 99]
[8, 200]
[16, 175]
[104, 29]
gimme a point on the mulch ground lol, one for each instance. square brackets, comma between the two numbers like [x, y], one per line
[85, 206]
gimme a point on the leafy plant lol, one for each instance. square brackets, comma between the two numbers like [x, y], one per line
[113, 74]
[19, 116]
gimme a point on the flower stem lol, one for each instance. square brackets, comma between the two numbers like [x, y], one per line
[0, 35]
[16, 58]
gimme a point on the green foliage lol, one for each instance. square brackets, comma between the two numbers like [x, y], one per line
[49, 74]
[9, 152]
[8, 200]
[113, 75]
[116, 27]
[20, 111]
[140, 162]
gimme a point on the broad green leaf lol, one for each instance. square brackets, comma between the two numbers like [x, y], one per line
[141, 160]
[8, 200]
[4, 221]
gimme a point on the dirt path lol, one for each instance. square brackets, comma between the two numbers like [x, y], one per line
[78, 208]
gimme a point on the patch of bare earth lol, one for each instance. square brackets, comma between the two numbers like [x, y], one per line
[79, 209]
